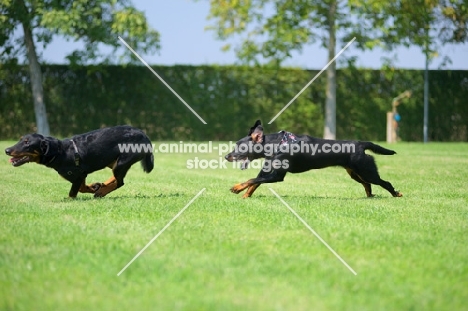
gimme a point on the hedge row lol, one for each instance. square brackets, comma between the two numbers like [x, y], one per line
[230, 99]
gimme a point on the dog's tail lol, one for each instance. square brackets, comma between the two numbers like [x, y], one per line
[148, 163]
[377, 149]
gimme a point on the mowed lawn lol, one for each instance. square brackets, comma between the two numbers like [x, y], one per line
[229, 253]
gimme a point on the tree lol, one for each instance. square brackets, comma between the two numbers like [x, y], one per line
[277, 28]
[428, 24]
[406, 22]
[92, 22]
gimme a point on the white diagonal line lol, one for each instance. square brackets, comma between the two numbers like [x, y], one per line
[313, 232]
[160, 232]
[168, 86]
[311, 81]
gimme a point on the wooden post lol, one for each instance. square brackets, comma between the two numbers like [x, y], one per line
[392, 124]
[391, 135]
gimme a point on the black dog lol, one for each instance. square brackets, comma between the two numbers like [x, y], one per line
[285, 152]
[83, 154]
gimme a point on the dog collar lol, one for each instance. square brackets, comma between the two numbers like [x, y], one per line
[288, 138]
[77, 155]
[58, 151]
[51, 160]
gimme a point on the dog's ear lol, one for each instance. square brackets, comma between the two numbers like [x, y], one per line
[252, 129]
[50, 146]
[257, 135]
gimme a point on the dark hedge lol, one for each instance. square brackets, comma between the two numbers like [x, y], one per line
[230, 99]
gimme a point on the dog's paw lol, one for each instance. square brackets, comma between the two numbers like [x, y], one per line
[246, 195]
[398, 194]
[99, 194]
[234, 190]
[238, 188]
[100, 191]
[95, 186]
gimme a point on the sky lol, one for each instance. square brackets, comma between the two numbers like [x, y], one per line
[184, 41]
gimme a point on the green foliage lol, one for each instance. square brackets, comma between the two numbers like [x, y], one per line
[272, 30]
[226, 253]
[428, 24]
[92, 22]
[230, 98]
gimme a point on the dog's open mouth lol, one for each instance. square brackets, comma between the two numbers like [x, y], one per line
[18, 161]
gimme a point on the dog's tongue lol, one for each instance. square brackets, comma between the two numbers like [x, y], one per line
[245, 164]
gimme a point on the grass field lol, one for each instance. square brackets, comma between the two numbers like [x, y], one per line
[227, 253]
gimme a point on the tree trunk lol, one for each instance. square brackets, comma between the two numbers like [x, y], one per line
[330, 104]
[426, 89]
[36, 80]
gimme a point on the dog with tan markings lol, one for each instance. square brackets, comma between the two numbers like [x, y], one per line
[84, 154]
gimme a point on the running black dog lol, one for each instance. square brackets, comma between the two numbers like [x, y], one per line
[285, 152]
[83, 154]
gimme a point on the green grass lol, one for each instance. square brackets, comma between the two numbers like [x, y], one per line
[227, 253]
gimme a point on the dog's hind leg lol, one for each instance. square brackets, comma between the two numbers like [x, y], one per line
[368, 173]
[120, 169]
[102, 189]
[388, 186]
[367, 186]
[107, 187]
[84, 188]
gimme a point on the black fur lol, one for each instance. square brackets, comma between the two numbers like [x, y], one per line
[94, 151]
[359, 165]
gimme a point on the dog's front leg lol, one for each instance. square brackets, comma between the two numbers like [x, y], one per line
[251, 189]
[272, 177]
[75, 188]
